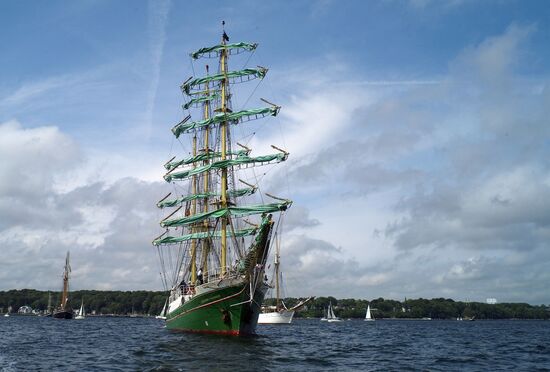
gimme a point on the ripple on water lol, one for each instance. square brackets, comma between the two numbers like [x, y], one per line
[130, 344]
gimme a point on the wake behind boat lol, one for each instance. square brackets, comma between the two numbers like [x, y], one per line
[214, 247]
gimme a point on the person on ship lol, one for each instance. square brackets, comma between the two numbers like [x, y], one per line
[183, 286]
[199, 276]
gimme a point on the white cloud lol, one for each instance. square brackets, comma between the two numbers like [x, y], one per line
[423, 188]
[157, 19]
[456, 168]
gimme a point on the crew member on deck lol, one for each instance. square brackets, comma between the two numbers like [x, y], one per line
[199, 276]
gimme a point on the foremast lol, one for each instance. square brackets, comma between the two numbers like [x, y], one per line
[214, 214]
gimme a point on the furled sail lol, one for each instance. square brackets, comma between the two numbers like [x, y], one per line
[240, 211]
[197, 100]
[195, 85]
[243, 160]
[184, 199]
[202, 157]
[204, 235]
[232, 117]
[214, 51]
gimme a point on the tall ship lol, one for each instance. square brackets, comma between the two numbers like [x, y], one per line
[64, 311]
[219, 224]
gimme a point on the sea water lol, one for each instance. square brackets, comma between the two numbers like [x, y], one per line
[143, 344]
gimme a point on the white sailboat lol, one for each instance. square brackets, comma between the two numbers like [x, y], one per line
[368, 317]
[278, 314]
[81, 314]
[324, 318]
[330, 315]
[162, 314]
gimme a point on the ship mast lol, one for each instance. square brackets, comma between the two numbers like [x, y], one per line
[66, 271]
[206, 150]
[277, 257]
[223, 130]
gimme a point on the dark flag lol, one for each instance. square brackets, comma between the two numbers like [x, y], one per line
[225, 37]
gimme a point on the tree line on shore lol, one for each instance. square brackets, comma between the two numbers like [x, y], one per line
[152, 302]
[436, 308]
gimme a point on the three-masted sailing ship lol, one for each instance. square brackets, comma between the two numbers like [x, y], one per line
[64, 311]
[216, 242]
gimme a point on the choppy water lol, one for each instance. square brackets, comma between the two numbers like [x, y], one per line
[142, 344]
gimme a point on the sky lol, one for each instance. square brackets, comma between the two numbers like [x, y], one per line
[417, 129]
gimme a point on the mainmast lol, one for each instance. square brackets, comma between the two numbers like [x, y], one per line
[205, 242]
[223, 130]
[66, 271]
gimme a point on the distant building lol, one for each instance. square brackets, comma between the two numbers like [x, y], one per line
[491, 301]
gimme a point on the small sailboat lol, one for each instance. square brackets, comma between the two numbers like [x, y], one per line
[63, 311]
[49, 310]
[162, 314]
[81, 314]
[324, 318]
[331, 318]
[368, 317]
[278, 314]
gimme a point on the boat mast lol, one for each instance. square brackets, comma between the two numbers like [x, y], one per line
[223, 130]
[193, 212]
[205, 245]
[277, 257]
[65, 294]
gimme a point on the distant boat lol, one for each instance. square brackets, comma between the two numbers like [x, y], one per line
[368, 317]
[324, 318]
[162, 314]
[63, 311]
[133, 314]
[330, 315]
[278, 314]
[81, 313]
[49, 309]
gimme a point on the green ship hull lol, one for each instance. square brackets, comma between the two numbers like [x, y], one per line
[222, 311]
